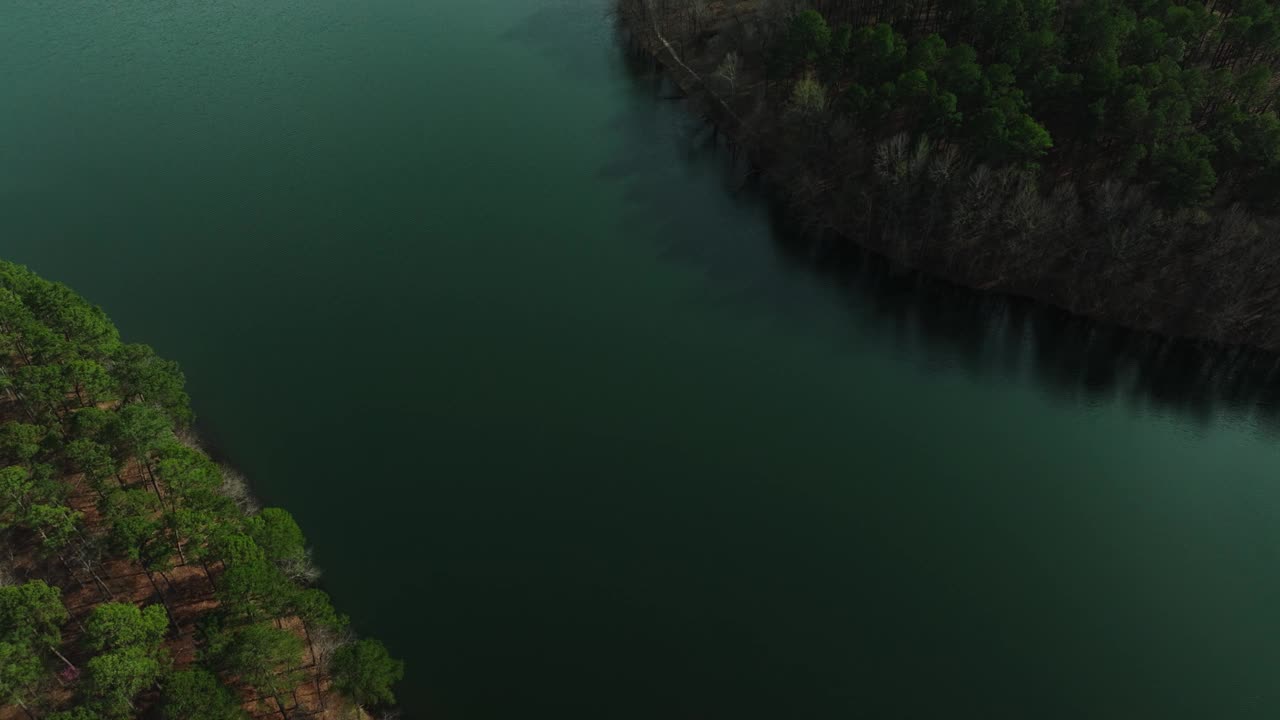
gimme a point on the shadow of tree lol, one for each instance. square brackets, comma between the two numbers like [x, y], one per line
[923, 320]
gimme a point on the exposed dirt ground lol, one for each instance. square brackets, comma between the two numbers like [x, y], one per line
[189, 589]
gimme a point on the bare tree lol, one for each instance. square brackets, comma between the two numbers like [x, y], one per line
[945, 165]
[808, 99]
[302, 569]
[729, 69]
[325, 642]
[697, 15]
[236, 487]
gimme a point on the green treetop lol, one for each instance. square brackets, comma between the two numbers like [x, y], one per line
[365, 672]
[251, 585]
[112, 626]
[276, 532]
[32, 614]
[198, 695]
[20, 672]
[264, 657]
[138, 430]
[21, 442]
[115, 679]
[144, 377]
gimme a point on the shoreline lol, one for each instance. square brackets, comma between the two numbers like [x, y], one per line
[769, 159]
[129, 512]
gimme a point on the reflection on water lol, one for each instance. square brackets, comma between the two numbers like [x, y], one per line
[983, 335]
[583, 428]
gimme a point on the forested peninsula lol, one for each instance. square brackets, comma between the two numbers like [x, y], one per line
[1116, 158]
[139, 577]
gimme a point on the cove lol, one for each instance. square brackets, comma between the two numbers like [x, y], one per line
[577, 432]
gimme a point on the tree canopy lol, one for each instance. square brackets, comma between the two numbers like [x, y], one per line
[115, 678]
[86, 410]
[1115, 158]
[32, 615]
[365, 671]
[112, 626]
[198, 695]
[1160, 92]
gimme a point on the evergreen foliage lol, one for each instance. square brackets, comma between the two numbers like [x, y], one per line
[82, 408]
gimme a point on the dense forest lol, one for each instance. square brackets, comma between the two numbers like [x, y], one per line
[140, 578]
[1176, 96]
[1118, 158]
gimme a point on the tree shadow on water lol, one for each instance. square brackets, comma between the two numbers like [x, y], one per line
[1072, 358]
[924, 320]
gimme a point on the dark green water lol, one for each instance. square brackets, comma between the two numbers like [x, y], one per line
[571, 431]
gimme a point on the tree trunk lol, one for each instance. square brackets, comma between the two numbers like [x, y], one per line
[208, 575]
[93, 574]
[102, 586]
[155, 485]
[65, 565]
[280, 705]
[177, 544]
[173, 622]
[315, 662]
[63, 659]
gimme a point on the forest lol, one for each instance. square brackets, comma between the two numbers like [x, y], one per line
[1176, 96]
[1117, 158]
[141, 579]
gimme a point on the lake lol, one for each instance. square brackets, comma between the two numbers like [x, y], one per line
[579, 431]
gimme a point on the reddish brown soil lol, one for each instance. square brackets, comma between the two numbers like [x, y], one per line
[187, 587]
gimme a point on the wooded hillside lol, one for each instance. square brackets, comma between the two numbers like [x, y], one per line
[1117, 158]
[139, 575]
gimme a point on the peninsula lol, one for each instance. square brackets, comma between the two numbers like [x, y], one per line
[142, 580]
[1115, 158]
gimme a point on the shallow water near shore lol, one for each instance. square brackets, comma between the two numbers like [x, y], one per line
[578, 433]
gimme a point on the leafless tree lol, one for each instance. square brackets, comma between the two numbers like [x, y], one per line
[808, 99]
[729, 70]
[302, 569]
[945, 165]
[697, 13]
[236, 487]
[326, 642]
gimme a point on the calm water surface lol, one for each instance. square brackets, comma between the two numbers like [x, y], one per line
[570, 430]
